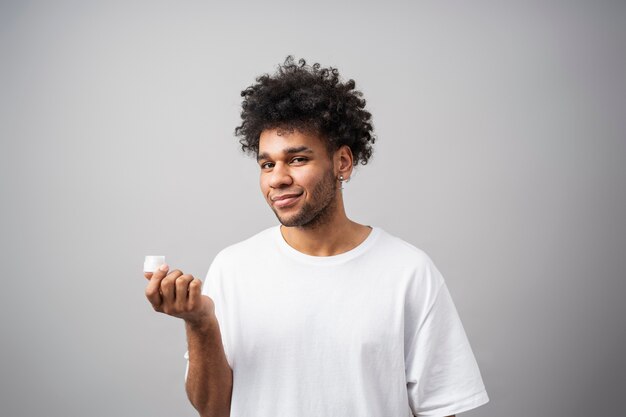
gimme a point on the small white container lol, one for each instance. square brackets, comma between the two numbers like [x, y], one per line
[152, 263]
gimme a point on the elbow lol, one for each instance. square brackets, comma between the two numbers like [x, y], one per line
[207, 406]
[214, 412]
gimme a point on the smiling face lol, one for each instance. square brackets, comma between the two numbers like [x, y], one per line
[298, 178]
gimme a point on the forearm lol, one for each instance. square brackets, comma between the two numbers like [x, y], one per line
[209, 379]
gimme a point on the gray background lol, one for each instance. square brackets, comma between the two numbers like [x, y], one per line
[501, 154]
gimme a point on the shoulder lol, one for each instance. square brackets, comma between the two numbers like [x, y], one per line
[253, 246]
[398, 249]
[407, 259]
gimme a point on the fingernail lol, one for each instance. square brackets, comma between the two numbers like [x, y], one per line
[163, 267]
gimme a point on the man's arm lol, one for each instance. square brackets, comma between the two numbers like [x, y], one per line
[209, 379]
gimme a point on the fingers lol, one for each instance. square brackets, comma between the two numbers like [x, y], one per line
[182, 292]
[195, 290]
[174, 293]
[153, 293]
[168, 287]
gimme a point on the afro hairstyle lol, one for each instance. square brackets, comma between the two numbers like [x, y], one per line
[310, 99]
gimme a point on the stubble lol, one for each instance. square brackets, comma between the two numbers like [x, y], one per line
[319, 212]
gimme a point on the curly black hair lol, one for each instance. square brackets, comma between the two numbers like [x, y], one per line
[308, 99]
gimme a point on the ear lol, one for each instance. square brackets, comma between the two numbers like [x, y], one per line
[343, 161]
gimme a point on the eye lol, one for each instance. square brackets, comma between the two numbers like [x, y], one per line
[299, 159]
[267, 165]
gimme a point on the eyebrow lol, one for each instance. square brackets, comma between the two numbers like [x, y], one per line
[286, 151]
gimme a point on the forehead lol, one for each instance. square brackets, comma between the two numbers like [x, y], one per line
[274, 141]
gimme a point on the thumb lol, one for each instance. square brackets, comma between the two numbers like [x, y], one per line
[159, 273]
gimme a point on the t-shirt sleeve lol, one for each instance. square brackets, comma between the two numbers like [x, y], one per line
[213, 288]
[442, 373]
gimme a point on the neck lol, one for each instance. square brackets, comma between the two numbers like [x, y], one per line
[338, 234]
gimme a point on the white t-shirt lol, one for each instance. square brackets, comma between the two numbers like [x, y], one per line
[372, 332]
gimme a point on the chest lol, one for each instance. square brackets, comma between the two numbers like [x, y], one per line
[314, 318]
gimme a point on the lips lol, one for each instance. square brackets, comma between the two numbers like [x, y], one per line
[285, 200]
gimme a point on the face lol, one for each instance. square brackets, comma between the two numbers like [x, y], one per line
[297, 178]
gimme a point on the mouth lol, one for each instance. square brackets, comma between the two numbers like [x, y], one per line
[285, 200]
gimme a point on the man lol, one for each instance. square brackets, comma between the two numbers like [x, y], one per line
[319, 316]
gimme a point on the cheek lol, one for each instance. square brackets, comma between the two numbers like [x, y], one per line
[263, 185]
[305, 178]
[261, 182]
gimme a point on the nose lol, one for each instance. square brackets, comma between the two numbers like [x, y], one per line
[280, 176]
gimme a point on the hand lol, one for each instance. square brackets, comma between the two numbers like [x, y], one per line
[178, 295]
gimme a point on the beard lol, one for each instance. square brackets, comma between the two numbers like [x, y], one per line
[317, 212]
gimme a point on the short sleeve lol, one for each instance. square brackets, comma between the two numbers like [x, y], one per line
[442, 374]
[187, 367]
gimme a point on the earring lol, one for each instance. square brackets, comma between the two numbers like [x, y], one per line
[341, 180]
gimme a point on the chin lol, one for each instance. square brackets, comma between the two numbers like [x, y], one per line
[288, 222]
[293, 220]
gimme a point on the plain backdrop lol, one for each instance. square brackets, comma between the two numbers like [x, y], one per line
[501, 153]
